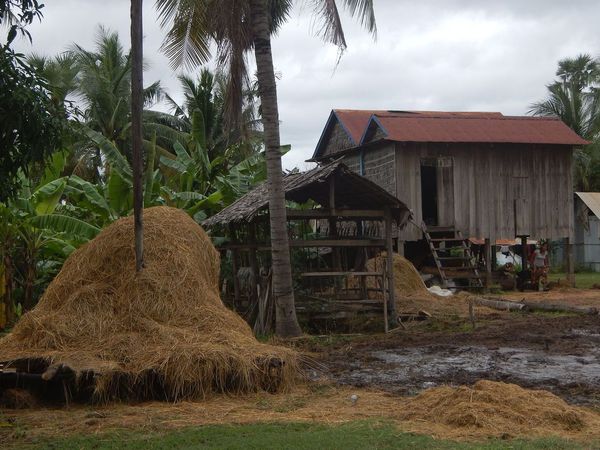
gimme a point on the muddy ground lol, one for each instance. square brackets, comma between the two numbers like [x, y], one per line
[557, 353]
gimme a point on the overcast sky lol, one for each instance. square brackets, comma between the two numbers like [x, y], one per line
[453, 55]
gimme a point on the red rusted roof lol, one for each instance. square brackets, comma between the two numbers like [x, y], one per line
[355, 121]
[435, 127]
[445, 126]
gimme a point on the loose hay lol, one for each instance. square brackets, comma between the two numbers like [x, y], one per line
[494, 409]
[407, 281]
[327, 404]
[411, 294]
[163, 333]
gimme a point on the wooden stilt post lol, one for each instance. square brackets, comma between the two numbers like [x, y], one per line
[390, 264]
[333, 224]
[253, 264]
[570, 261]
[488, 264]
[235, 267]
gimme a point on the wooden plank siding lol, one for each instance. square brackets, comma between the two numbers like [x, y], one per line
[485, 183]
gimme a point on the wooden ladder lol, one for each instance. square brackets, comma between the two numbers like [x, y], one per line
[453, 257]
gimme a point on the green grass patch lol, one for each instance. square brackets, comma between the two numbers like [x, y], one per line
[354, 435]
[583, 280]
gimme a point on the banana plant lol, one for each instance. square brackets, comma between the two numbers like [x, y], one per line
[202, 185]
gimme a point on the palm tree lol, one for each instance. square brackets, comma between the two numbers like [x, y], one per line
[238, 27]
[61, 73]
[137, 106]
[575, 99]
[204, 97]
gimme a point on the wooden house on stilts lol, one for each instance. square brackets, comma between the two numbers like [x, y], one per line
[463, 175]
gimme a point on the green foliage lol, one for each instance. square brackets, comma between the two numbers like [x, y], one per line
[85, 182]
[31, 126]
[575, 99]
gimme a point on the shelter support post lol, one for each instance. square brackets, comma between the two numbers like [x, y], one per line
[253, 264]
[488, 264]
[234, 266]
[390, 265]
[570, 261]
[400, 247]
[337, 260]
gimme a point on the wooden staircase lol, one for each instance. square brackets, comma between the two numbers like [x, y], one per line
[453, 257]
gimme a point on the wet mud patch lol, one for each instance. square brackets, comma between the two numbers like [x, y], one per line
[561, 355]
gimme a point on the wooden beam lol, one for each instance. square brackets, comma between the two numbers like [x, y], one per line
[488, 264]
[234, 266]
[341, 274]
[253, 264]
[325, 213]
[570, 262]
[390, 265]
[381, 243]
[322, 243]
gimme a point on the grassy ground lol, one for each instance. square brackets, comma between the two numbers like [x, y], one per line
[583, 280]
[354, 435]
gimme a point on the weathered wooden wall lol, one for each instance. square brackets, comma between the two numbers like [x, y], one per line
[486, 183]
[481, 185]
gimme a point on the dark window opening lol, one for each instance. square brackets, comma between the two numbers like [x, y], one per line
[429, 195]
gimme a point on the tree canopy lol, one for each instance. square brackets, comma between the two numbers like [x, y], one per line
[31, 124]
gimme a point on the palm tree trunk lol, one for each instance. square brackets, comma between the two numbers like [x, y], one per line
[286, 321]
[136, 128]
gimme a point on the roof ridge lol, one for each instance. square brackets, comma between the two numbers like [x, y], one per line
[467, 117]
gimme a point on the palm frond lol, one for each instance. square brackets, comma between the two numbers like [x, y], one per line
[187, 43]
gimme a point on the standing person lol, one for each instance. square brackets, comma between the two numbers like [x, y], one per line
[540, 265]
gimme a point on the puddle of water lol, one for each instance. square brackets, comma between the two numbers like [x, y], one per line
[417, 366]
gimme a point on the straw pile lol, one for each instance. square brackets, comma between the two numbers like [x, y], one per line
[411, 293]
[493, 409]
[407, 281]
[163, 333]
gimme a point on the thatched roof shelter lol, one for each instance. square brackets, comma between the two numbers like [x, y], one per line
[352, 191]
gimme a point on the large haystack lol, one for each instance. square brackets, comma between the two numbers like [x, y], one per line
[163, 333]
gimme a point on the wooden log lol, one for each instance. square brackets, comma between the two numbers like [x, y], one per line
[559, 307]
[508, 305]
[502, 305]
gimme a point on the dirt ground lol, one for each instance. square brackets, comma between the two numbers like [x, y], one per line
[560, 353]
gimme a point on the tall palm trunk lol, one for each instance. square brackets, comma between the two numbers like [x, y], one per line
[137, 71]
[286, 321]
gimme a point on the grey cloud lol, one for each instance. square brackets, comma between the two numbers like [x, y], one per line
[431, 54]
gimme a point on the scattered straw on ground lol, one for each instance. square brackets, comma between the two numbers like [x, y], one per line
[487, 409]
[497, 409]
[163, 333]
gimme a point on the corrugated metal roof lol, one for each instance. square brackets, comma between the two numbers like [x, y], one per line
[355, 121]
[451, 126]
[591, 200]
[434, 127]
